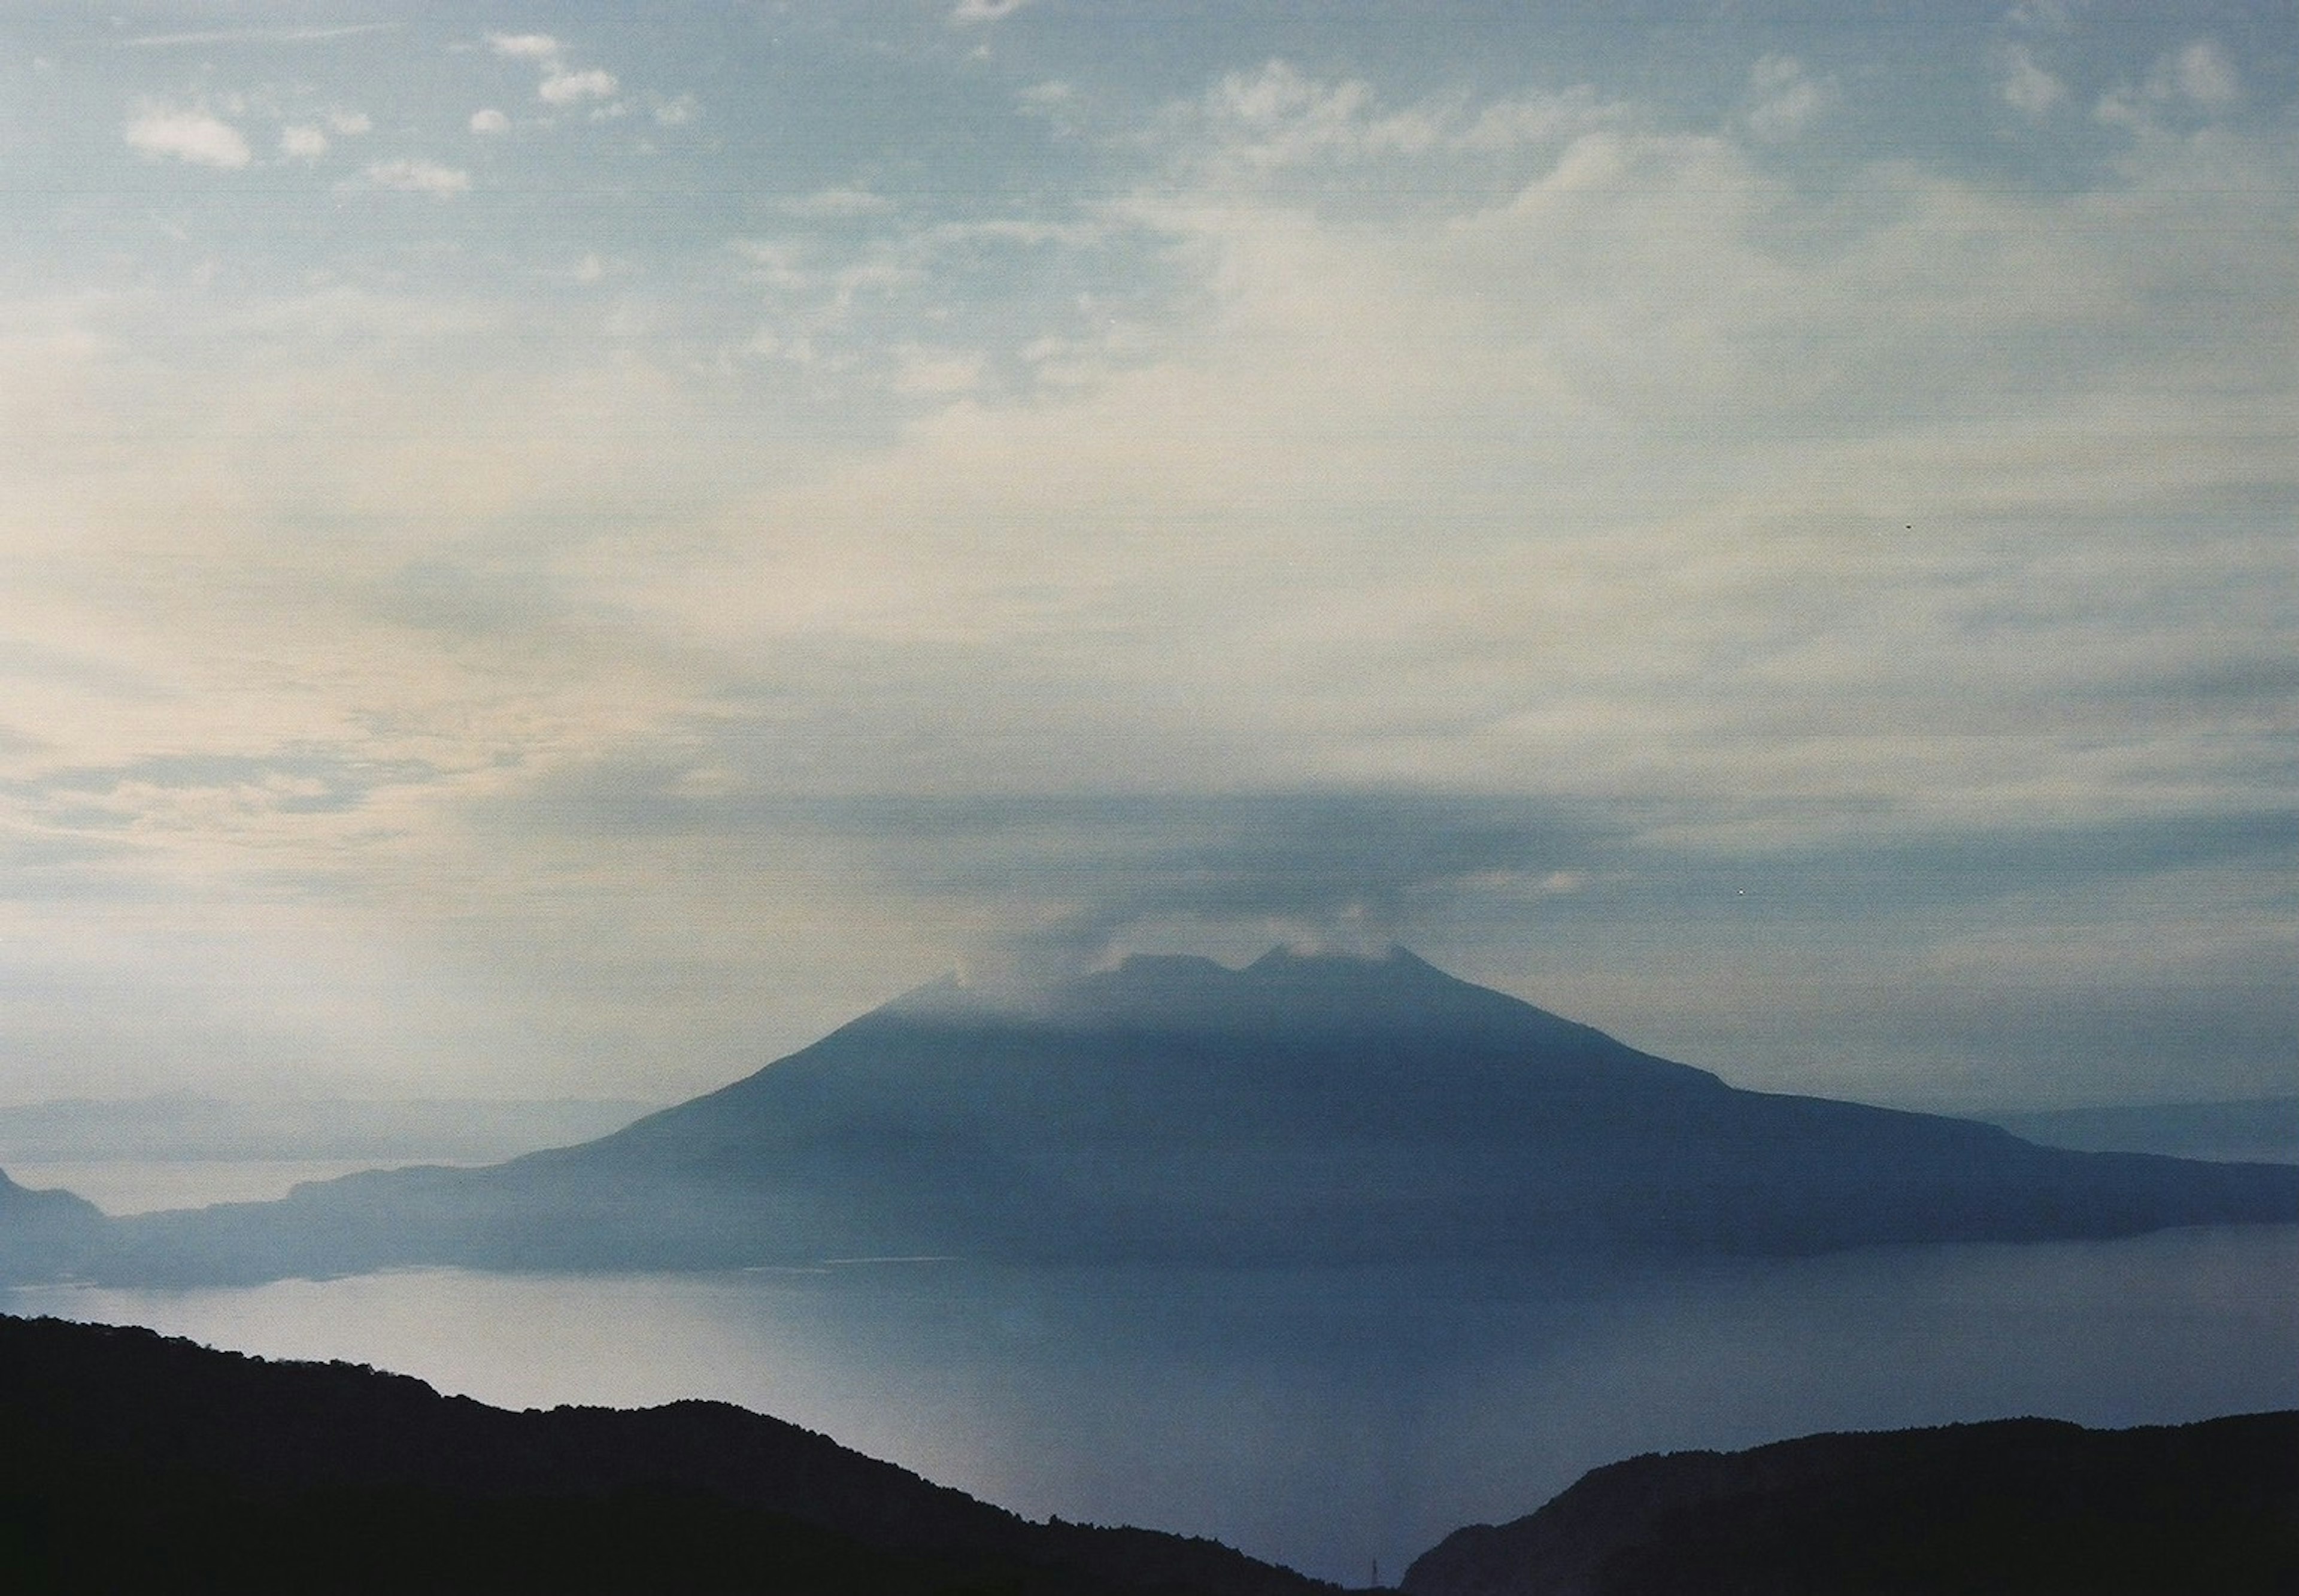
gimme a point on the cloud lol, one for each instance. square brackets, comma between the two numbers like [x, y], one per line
[838, 204]
[678, 112]
[561, 87]
[1252, 125]
[195, 136]
[2026, 86]
[1439, 502]
[2045, 16]
[970, 12]
[232, 35]
[349, 124]
[303, 142]
[1784, 99]
[1076, 879]
[2195, 81]
[525, 47]
[410, 175]
[937, 372]
[488, 119]
[2204, 75]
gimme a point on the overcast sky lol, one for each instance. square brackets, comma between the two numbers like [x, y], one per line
[569, 548]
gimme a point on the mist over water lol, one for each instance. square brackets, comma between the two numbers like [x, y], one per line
[1320, 1419]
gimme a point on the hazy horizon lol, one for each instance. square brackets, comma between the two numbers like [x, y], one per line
[558, 553]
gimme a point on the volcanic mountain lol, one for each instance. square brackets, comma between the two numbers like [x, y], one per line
[1305, 1108]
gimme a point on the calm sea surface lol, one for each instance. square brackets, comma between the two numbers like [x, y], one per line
[1322, 1418]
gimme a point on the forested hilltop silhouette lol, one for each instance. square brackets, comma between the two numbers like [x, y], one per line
[2022, 1507]
[130, 1461]
[134, 1461]
[1304, 1110]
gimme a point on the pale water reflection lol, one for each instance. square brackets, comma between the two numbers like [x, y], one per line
[1320, 1419]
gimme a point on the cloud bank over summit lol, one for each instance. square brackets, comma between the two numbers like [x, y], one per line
[550, 554]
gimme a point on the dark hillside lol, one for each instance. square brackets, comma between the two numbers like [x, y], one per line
[131, 1461]
[2019, 1507]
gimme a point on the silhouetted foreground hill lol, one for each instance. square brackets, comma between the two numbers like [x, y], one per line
[1300, 1111]
[132, 1462]
[2021, 1508]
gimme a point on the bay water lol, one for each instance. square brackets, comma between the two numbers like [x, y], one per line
[1328, 1420]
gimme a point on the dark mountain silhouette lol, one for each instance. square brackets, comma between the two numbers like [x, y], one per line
[131, 1461]
[2023, 1507]
[1302, 1110]
[39, 1228]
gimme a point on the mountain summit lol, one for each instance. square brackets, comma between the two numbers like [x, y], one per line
[1305, 1108]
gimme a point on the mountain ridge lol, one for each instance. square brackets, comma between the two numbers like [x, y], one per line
[130, 1461]
[2026, 1506]
[1305, 1108]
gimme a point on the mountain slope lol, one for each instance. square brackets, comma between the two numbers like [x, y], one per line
[2260, 1130]
[39, 1229]
[131, 1461]
[2028, 1506]
[1302, 1110]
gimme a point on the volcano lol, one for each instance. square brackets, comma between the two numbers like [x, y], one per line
[1304, 1109]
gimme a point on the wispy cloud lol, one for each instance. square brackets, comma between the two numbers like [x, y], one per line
[525, 47]
[2027, 86]
[566, 88]
[836, 202]
[195, 136]
[973, 12]
[2202, 73]
[1785, 99]
[233, 36]
[411, 176]
[2198, 80]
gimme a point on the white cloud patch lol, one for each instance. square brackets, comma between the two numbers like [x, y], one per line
[835, 204]
[349, 124]
[196, 137]
[488, 119]
[1784, 99]
[410, 175]
[2027, 86]
[972, 12]
[237, 36]
[561, 84]
[678, 112]
[303, 142]
[2203, 74]
[2196, 82]
[525, 47]
[566, 88]
[1254, 124]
